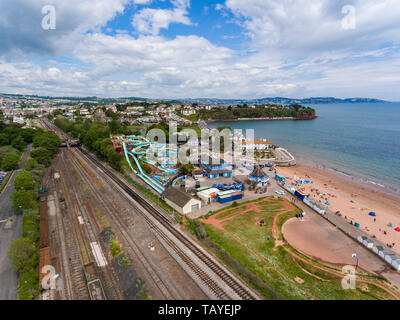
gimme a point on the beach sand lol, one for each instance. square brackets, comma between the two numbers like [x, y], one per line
[354, 199]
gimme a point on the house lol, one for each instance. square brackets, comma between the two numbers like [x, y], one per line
[215, 168]
[257, 145]
[181, 201]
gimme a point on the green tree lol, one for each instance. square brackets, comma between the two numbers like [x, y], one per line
[10, 161]
[24, 181]
[4, 139]
[42, 155]
[185, 169]
[32, 163]
[23, 199]
[23, 255]
[115, 126]
[28, 134]
[19, 143]
[47, 140]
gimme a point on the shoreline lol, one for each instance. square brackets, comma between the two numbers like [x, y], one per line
[358, 178]
[352, 197]
[261, 119]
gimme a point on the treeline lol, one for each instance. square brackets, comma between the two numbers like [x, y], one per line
[23, 253]
[13, 141]
[263, 111]
[96, 137]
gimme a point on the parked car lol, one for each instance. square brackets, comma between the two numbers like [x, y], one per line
[280, 192]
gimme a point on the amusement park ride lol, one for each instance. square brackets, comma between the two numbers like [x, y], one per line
[140, 149]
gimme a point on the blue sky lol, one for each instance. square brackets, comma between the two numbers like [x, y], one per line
[186, 48]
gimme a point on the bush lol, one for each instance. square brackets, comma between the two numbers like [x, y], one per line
[10, 161]
[28, 285]
[23, 199]
[24, 181]
[32, 163]
[23, 255]
[196, 229]
[115, 248]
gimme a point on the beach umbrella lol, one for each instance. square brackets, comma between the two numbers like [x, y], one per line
[327, 203]
[397, 229]
[372, 214]
[390, 225]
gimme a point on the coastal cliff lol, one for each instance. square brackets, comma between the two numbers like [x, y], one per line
[261, 112]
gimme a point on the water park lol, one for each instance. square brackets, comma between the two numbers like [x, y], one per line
[141, 153]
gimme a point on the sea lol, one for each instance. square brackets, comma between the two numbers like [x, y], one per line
[360, 140]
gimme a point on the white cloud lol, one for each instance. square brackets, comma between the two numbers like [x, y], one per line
[315, 25]
[294, 49]
[21, 31]
[150, 21]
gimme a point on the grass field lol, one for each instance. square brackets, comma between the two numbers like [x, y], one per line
[290, 274]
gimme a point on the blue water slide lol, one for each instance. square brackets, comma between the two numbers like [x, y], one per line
[141, 174]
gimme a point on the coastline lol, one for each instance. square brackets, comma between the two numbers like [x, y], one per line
[261, 119]
[354, 198]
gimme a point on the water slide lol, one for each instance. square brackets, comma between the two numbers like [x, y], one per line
[141, 174]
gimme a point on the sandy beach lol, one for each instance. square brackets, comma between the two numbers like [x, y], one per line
[352, 198]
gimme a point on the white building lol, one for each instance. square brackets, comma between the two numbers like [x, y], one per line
[182, 202]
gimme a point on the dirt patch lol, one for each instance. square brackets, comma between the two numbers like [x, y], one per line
[321, 241]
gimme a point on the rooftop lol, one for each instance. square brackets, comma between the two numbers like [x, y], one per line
[177, 196]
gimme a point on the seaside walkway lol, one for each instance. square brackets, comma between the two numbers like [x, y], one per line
[283, 158]
[352, 232]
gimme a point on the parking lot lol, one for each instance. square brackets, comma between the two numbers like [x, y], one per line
[3, 176]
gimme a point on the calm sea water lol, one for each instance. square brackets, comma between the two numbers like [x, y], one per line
[362, 140]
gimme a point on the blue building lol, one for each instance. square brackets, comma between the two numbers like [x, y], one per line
[258, 175]
[215, 168]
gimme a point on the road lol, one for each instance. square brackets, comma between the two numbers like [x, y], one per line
[9, 277]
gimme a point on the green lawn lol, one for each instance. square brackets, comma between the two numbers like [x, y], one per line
[274, 265]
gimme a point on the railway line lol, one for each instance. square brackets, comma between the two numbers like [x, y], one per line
[86, 232]
[121, 222]
[213, 277]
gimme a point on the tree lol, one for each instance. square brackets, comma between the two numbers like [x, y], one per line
[115, 126]
[23, 199]
[42, 155]
[24, 181]
[47, 140]
[28, 134]
[4, 139]
[10, 161]
[23, 255]
[32, 163]
[19, 143]
[185, 169]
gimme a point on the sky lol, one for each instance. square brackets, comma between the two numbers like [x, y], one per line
[201, 49]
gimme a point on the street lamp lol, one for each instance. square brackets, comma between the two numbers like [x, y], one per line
[354, 255]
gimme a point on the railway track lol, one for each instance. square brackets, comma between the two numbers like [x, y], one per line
[231, 289]
[86, 232]
[240, 290]
[123, 231]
